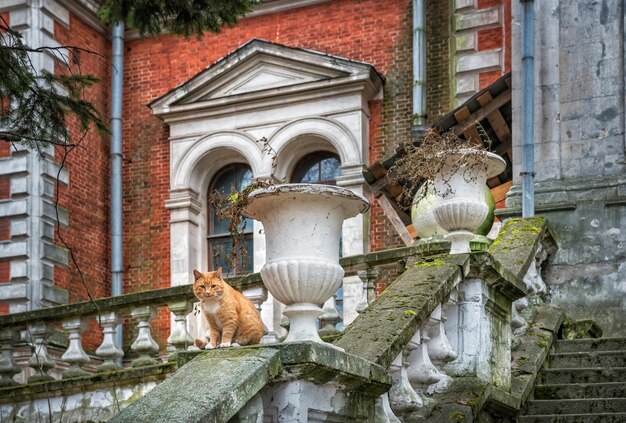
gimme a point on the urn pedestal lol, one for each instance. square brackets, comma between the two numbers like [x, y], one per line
[302, 224]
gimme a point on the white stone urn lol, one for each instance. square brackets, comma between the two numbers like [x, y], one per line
[302, 224]
[463, 208]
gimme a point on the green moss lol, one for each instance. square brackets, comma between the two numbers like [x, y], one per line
[432, 263]
[409, 313]
[457, 416]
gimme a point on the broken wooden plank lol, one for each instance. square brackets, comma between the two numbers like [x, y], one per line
[395, 220]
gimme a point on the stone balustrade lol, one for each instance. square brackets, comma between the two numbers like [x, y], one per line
[36, 329]
[443, 330]
[452, 318]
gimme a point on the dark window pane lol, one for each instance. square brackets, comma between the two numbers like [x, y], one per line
[232, 178]
[317, 168]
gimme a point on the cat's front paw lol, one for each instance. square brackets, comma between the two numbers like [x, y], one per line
[225, 345]
[209, 346]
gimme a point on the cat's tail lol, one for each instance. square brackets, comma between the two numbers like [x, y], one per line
[201, 343]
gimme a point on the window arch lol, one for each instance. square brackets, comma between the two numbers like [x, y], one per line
[321, 167]
[232, 177]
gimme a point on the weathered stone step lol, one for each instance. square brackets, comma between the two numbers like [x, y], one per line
[580, 390]
[583, 375]
[576, 406]
[588, 359]
[575, 418]
[596, 344]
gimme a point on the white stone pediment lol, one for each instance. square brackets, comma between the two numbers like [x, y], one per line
[264, 73]
[260, 70]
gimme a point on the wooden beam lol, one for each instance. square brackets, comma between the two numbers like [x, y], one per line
[395, 220]
[495, 119]
[471, 120]
[470, 132]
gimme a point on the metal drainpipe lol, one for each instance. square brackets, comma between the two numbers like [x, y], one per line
[528, 108]
[419, 66]
[117, 77]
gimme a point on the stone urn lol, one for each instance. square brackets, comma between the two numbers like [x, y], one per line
[423, 218]
[463, 208]
[302, 224]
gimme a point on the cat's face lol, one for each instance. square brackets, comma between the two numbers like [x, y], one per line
[208, 285]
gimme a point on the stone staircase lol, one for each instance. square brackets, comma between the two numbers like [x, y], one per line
[584, 381]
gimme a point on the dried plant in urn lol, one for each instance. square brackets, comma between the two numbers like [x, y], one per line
[453, 173]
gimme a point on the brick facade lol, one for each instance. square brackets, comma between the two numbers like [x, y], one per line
[378, 33]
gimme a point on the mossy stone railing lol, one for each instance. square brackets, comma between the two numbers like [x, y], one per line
[397, 331]
[406, 329]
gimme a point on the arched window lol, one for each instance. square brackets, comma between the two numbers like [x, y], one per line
[318, 168]
[232, 177]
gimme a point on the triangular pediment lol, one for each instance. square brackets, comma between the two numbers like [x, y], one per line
[260, 68]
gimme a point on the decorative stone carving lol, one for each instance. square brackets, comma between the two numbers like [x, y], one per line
[329, 318]
[75, 355]
[37, 335]
[302, 227]
[109, 350]
[533, 280]
[144, 345]
[8, 368]
[179, 338]
[464, 209]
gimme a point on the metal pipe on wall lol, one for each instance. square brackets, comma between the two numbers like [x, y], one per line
[528, 108]
[117, 79]
[419, 65]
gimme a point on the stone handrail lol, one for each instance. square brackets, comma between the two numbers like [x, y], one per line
[450, 316]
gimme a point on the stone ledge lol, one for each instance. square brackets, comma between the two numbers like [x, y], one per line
[63, 387]
[514, 249]
[214, 385]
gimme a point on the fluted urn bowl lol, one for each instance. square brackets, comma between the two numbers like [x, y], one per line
[302, 224]
[463, 208]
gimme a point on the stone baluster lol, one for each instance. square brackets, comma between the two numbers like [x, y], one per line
[368, 277]
[108, 350]
[8, 368]
[402, 397]
[179, 336]
[144, 345]
[75, 355]
[37, 336]
[439, 349]
[384, 413]
[470, 319]
[329, 318]
[258, 295]
[420, 370]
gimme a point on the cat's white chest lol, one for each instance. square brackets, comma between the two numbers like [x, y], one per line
[211, 307]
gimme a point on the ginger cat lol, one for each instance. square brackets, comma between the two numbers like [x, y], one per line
[233, 319]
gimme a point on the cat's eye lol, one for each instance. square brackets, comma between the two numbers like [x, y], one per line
[213, 286]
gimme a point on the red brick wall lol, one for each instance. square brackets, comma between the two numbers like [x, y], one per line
[369, 31]
[492, 38]
[87, 196]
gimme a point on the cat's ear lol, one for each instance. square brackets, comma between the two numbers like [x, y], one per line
[197, 275]
[218, 273]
